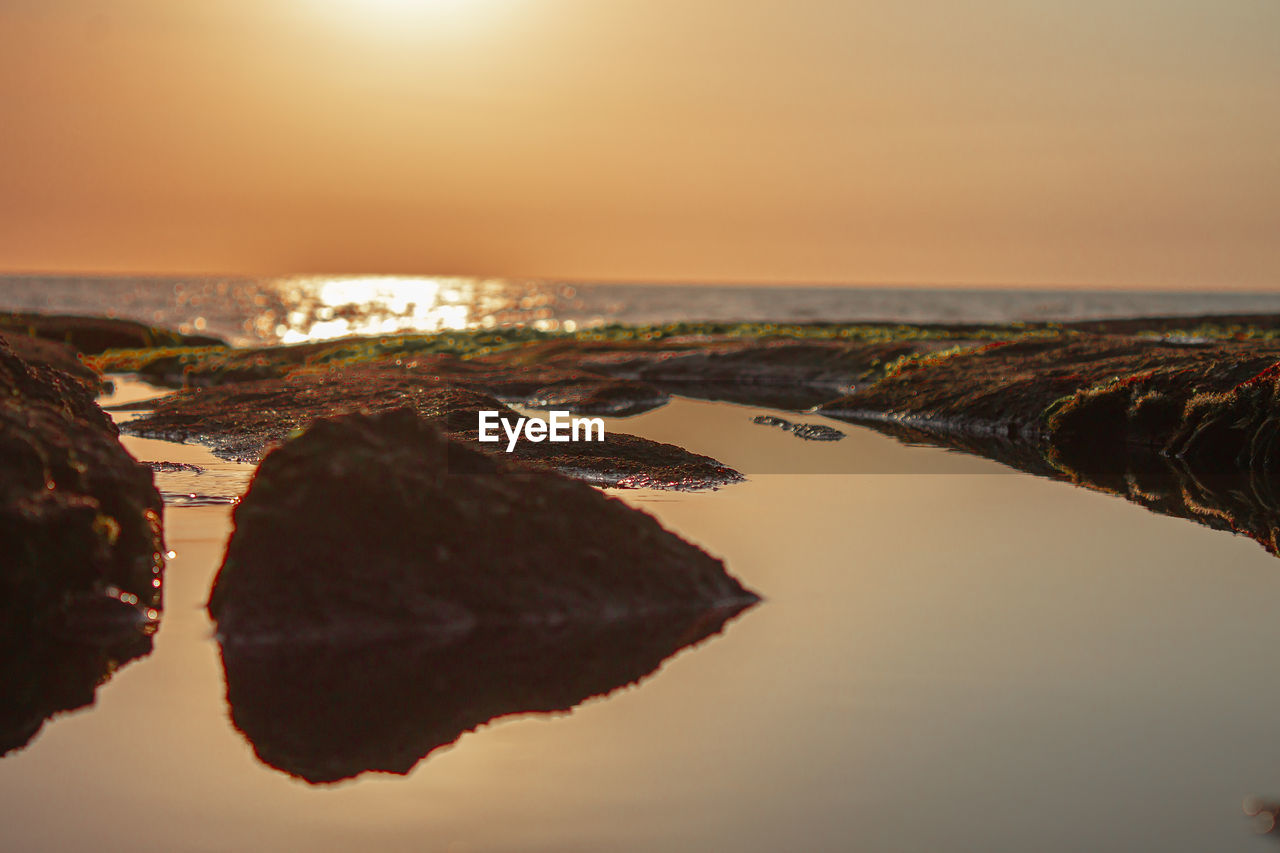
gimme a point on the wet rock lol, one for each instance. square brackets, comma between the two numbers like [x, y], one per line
[91, 335]
[1026, 390]
[77, 513]
[242, 420]
[1185, 431]
[80, 547]
[60, 356]
[617, 397]
[433, 535]
[826, 364]
[808, 432]
[330, 711]
[174, 467]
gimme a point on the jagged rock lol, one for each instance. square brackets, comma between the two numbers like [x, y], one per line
[77, 513]
[808, 432]
[80, 547]
[60, 356]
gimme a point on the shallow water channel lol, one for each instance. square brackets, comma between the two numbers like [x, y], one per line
[950, 655]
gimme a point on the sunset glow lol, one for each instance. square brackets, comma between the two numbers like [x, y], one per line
[991, 143]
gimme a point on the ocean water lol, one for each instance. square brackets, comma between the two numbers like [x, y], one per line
[273, 310]
[944, 659]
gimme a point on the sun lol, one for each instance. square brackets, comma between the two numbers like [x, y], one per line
[412, 7]
[395, 13]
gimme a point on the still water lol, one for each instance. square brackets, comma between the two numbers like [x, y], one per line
[950, 656]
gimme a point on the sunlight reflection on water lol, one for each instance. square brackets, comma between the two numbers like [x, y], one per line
[329, 307]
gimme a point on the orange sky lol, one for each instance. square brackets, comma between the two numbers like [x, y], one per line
[984, 142]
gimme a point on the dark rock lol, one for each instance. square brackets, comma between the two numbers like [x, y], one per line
[39, 351]
[433, 536]
[174, 467]
[619, 397]
[80, 547]
[1028, 389]
[809, 432]
[1185, 431]
[833, 365]
[443, 589]
[77, 513]
[240, 421]
[91, 335]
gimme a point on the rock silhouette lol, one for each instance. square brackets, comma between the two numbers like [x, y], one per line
[80, 547]
[387, 588]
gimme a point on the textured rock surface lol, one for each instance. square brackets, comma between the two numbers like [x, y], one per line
[80, 548]
[808, 432]
[365, 525]
[78, 515]
[241, 420]
[1187, 430]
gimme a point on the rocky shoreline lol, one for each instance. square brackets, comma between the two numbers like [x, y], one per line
[375, 512]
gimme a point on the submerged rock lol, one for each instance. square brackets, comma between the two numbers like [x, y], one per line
[240, 421]
[808, 432]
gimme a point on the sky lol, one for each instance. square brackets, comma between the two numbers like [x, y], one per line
[990, 142]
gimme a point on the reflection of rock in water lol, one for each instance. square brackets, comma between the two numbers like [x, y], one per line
[44, 674]
[330, 711]
[1187, 431]
[388, 588]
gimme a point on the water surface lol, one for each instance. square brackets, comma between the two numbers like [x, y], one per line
[950, 656]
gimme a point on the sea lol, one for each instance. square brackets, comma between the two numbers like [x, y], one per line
[292, 309]
[944, 658]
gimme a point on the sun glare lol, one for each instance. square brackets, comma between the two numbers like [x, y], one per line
[392, 15]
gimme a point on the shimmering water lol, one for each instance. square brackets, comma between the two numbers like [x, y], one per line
[249, 311]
